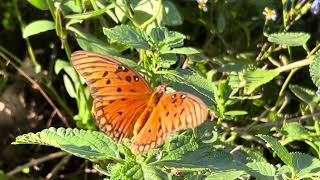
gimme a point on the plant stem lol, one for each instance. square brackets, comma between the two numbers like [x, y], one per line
[154, 17]
[285, 84]
[36, 161]
[294, 65]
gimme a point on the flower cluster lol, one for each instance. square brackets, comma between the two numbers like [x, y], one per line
[270, 14]
[202, 4]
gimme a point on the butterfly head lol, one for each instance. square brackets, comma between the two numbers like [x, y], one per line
[161, 89]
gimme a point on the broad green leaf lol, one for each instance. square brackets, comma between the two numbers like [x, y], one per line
[157, 35]
[306, 95]
[222, 175]
[127, 35]
[171, 15]
[66, 66]
[87, 144]
[204, 157]
[295, 131]
[186, 80]
[289, 38]
[254, 79]
[167, 60]
[305, 164]
[174, 39]
[69, 86]
[280, 150]
[37, 27]
[70, 6]
[90, 14]
[60, 64]
[92, 43]
[261, 170]
[182, 50]
[236, 113]
[315, 69]
[40, 4]
[134, 170]
[178, 146]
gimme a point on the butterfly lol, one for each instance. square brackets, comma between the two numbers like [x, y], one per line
[125, 106]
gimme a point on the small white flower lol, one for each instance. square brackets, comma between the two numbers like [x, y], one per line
[202, 4]
[270, 14]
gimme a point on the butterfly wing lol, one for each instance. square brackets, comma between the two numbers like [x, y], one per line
[120, 94]
[174, 112]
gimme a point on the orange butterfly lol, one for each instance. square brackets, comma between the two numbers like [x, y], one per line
[125, 106]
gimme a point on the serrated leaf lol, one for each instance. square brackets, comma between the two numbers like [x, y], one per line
[222, 175]
[280, 150]
[178, 146]
[295, 131]
[37, 27]
[305, 164]
[91, 14]
[174, 39]
[182, 50]
[261, 170]
[40, 4]
[89, 42]
[188, 81]
[254, 79]
[172, 16]
[137, 171]
[127, 35]
[315, 69]
[87, 144]
[167, 60]
[306, 95]
[204, 157]
[289, 38]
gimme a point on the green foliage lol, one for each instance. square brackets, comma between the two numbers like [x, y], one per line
[289, 38]
[86, 144]
[251, 84]
[315, 69]
[37, 27]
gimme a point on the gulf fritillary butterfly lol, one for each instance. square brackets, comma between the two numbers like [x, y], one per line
[125, 106]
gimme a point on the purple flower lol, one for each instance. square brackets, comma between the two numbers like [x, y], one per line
[315, 7]
[318, 92]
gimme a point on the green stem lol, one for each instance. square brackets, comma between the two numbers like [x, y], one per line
[285, 84]
[29, 47]
[294, 65]
[135, 23]
[154, 17]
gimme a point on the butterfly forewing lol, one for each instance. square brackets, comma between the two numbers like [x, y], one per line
[174, 112]
[120, 94]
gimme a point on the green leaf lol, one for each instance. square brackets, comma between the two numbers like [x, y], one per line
[87, 144]
[167, 60]
[140, 171]
[289, 38]
[90, 14]
[182, 50]
[295, 131]
[178, 146]
[188, 81]
[127, 35]
[222, 175]
[172, 16]
[236, 113]
[92, 43]
[70, 6]
[232, 67]
[305, 164]
[69, 86]
[37, 27]
[254, 79]
[204, 157]
[280, 150]
[262, 170]
[40, 4]
[2, 175]
[174, 39]
[315, 69]
[306, 95]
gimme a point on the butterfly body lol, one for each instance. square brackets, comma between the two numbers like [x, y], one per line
[125, 106]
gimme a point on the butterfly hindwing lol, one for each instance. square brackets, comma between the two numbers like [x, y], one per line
[174, 112]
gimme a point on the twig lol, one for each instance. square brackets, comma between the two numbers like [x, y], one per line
[58, 166]
[54, 112]
[33, 162]
[36, 86]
